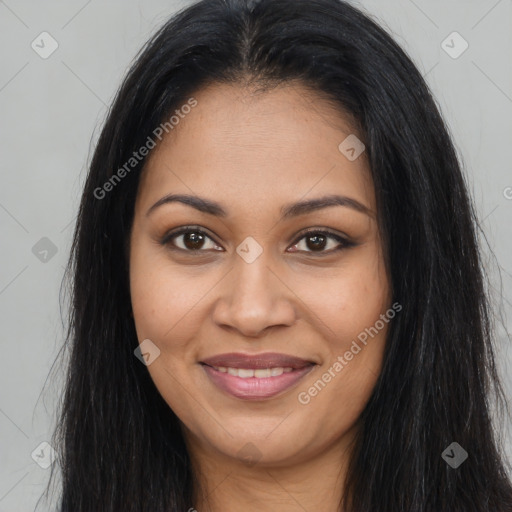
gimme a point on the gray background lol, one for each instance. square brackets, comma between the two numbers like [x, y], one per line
[51, 113]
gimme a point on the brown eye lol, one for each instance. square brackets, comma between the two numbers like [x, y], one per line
[316, 242]
[193, 240]
[321, 242]
[190, 239]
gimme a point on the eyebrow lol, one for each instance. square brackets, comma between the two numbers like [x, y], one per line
[287, 211]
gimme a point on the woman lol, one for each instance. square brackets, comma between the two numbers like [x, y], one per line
[278, 300]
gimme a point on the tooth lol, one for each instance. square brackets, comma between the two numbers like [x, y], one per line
[262, 373]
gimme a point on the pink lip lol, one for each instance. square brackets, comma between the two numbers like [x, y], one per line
[254, 388]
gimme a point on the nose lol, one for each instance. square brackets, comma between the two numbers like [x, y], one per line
[254, 298]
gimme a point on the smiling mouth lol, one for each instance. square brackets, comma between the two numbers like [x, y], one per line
[257, 377]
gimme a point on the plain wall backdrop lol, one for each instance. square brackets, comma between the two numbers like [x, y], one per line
[62, 63]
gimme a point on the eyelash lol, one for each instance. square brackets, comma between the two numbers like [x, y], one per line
[344, 243]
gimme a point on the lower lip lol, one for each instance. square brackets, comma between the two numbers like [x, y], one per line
[254, 388]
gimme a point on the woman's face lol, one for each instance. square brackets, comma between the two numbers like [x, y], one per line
[245, 283]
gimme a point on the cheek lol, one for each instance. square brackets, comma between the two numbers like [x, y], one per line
[166, 310]
[349, 306]
[350, 300]
[165, 300]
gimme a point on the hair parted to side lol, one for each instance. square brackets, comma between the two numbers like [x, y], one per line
[119, 445]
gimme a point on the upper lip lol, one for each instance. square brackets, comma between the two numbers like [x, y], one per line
[256, 361]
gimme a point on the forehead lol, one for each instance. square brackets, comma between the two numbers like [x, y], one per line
[257, 147]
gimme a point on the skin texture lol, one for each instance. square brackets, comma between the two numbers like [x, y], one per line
[253, 154]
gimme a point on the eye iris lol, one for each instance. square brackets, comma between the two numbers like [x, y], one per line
[193, 240]
[318, 242]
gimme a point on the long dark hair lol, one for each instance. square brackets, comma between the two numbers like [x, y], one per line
[119, 444]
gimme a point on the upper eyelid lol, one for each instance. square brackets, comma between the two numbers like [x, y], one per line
[324, 231]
